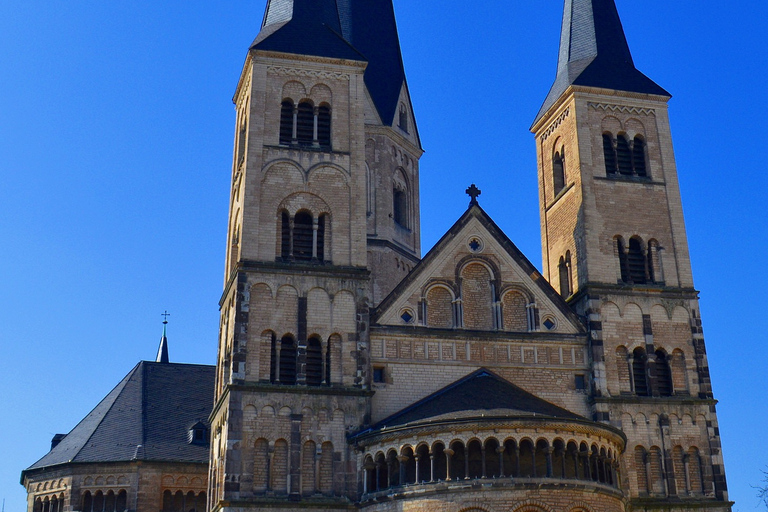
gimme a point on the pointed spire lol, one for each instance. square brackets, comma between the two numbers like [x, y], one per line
[162, 351]
[594, 53]
[304, 27]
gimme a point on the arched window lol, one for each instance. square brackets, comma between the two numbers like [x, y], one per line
[558, 171]
[622, 253]
[285, 236]
[324, 126]
[400, 207]
[305, 124]
[122, 501]
[241, 142]
[623, 156]
[328, 358]
[273, 358]
[302, 236]
[287, 360]
[286, 122]
[663, 374]
[564, 272]
[638, 157]
[610, 155]
[636, 262]
[403, 120]
[321, 237]
[639, 373]
[314, 367]
[641, 459]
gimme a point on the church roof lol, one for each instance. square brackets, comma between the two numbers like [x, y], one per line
[481, 393]
[594, 53]
[147, 417]
[345, 29]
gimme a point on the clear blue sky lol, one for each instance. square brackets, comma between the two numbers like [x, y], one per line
[116, 129]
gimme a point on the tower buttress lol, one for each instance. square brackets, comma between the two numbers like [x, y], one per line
[614, 245]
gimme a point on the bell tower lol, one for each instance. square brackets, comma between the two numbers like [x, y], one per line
[614, 245]
[323, 222]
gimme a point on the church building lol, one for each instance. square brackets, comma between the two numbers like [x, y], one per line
[353, 373]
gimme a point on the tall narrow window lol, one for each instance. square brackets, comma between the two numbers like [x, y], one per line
[610, 155]
[302, 236]
[285, 236]
[273, 358]
[558, 171]
[287, 360]
[623, 156]
[565, 289]
[241, 143]
[286, 122]
[314, 362]
[328, 361]
[305, 124]
[663, 374]
[321, 237]
[400, 207]
[324, 126]
[638, 372]
[622, 252]
[403, 120]
[636, 262]
[638, 157]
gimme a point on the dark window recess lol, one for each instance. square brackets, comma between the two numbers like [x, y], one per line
[622, 260]
[305, 124]
[378, 375]
[314, 362]
[610, 155]
[403, 121]
[474, 244]
[321, 237]
[663, 374]
[549, 324]
[558, 172]
[400, 207]
[324, 126]
[287, 361]
[639, 374]
[636, 262]
[328, 363]
[241, 144]
[562, 268]
[581, 382]
[623, 156]
[638, 157]
[286, 122]
[302, 237]
[407, 317]
[273, 359]
[285, 236]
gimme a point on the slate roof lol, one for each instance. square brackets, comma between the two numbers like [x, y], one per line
[146, 417]
[479, 393]
[594, 53]
[347, 29]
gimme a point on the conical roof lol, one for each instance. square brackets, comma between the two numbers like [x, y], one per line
[594, 53]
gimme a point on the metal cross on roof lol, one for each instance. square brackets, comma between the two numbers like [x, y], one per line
[473, 192]
[165, 316]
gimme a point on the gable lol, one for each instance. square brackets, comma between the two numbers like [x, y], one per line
[475, 278]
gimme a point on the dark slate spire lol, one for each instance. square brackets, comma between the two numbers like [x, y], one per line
[370, 26]
[304, 27]
[162, 351]
[594, 53]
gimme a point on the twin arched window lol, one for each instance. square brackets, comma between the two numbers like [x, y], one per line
[623, 156]
[638, 264]
[302, 237]
[305, 125]
[285, 364]
[641, 378]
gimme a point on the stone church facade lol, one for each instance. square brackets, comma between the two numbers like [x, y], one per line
[354, 374]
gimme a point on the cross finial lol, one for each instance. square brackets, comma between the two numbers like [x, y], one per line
[473, 192]
[165, 316]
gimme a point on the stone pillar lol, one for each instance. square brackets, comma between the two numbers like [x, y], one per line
[448, 454]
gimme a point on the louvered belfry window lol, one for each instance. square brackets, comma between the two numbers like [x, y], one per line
[639, 373]
[638, 157]
[302, 236]
[663, 374]
[285, 236]
[324, 126]
[286, 122]
[314, 367]
[558, 171]
[636, 262]
[287, 361]
[321, 237]
[610, 155]
[305, 124]
[623, 156]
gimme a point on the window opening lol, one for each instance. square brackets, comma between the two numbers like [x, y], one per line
[378, 375]
[639, 373]
[558, 171]
[314, 362]
[565, 289]
[403, 121]
[302, 236]
[581, 382]
[285, 236]
[287, 361]
[610, 155]
[321, 237]
[324, 126]
[663, 374]
[286, 122]
[305, 124]
[623, 156]
[636, 262]
[400, 207]
[638, 157]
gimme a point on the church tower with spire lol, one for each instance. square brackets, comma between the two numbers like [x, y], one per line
[323, 223]
[614, 245]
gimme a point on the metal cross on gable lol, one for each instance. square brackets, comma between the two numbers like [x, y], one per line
[473, 192]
